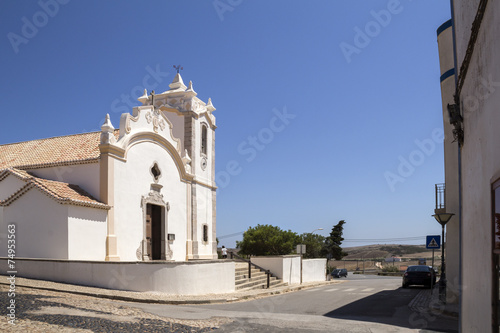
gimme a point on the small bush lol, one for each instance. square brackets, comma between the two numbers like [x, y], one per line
[390, 269]
[329, 270]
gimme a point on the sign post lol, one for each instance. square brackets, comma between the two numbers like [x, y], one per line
[301, 249]
[433, 242]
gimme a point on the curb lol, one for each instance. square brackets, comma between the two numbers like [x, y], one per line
[174, 302]
[121, 298]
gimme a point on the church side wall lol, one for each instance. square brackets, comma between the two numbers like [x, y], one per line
[133, 180]
[9, 186]
[204, 217]
[41, 226]
[84, 175]
[87, 229]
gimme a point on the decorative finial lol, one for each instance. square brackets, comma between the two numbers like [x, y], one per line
[144, 98]
[107, 129]
[178, 68]
[210, 106]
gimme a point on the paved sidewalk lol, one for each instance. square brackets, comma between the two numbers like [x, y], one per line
[156, 297]
[428, 301]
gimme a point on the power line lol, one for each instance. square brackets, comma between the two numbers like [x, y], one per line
[231, 235]
[351, 239]
[399, 239]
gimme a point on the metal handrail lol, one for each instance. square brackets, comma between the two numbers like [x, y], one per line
[250, 264]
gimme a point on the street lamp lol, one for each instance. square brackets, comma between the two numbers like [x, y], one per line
[442, 218]
[316, 230]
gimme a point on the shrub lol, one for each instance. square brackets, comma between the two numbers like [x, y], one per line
[329, 270]
[390, 269]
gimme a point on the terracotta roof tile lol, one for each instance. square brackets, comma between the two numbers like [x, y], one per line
[61, 192]
[70, 149]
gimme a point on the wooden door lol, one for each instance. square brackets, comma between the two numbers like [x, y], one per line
[149, 210]
[156, 231]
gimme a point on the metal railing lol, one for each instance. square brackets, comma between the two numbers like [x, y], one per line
[440, 196]
[250, 264]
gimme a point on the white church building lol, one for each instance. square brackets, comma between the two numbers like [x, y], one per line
[143, 192]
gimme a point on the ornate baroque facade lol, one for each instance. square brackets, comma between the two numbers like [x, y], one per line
[145, 191]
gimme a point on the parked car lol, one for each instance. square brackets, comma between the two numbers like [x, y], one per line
[339, 272]
[419, 275]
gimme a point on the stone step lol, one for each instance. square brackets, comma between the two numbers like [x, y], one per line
[244, 273]
[258, 279]
[245, 269]
[259, 284]
[241, 265]
[263, 286]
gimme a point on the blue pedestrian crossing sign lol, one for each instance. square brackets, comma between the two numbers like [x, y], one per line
[433, 242]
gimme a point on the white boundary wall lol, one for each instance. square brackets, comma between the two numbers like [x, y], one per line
[313, 270]
[177, 278]
[287, 268]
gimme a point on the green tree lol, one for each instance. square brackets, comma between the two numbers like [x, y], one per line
[266, 240]
[333, 242]
[314, 245]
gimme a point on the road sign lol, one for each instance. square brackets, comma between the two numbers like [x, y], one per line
[433, 242]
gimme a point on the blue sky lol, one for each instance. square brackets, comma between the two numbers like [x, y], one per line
[318, 102]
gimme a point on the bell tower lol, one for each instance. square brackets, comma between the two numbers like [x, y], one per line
[193, 123]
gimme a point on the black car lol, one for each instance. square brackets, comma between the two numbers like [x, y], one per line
[339, 272]
[419, 275]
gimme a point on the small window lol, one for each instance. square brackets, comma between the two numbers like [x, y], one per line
[155, 170]
[204, 139]
[205, 233]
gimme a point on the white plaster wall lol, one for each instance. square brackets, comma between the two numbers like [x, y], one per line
[177, 121]
[9, 186]
[87, 230]
[465, 11]
[198, 278]
[84, 175]
[452, 248]
[204, 216]
[286, 268]
[41, 226]
[132, 181]
[313, 270]
[480, 162]
[203, 175]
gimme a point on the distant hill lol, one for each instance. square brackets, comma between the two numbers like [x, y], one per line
[378, 251]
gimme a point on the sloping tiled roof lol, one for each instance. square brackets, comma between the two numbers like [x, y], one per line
[63, 193]
[62, 150]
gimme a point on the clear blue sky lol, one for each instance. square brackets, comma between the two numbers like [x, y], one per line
[357, 83]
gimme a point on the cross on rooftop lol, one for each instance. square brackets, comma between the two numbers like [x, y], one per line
[152, 98]
[178, 68]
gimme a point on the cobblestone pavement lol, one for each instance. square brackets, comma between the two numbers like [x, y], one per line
[49, 311]
[427, 301]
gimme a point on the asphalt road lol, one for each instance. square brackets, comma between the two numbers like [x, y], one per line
[361, 303]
